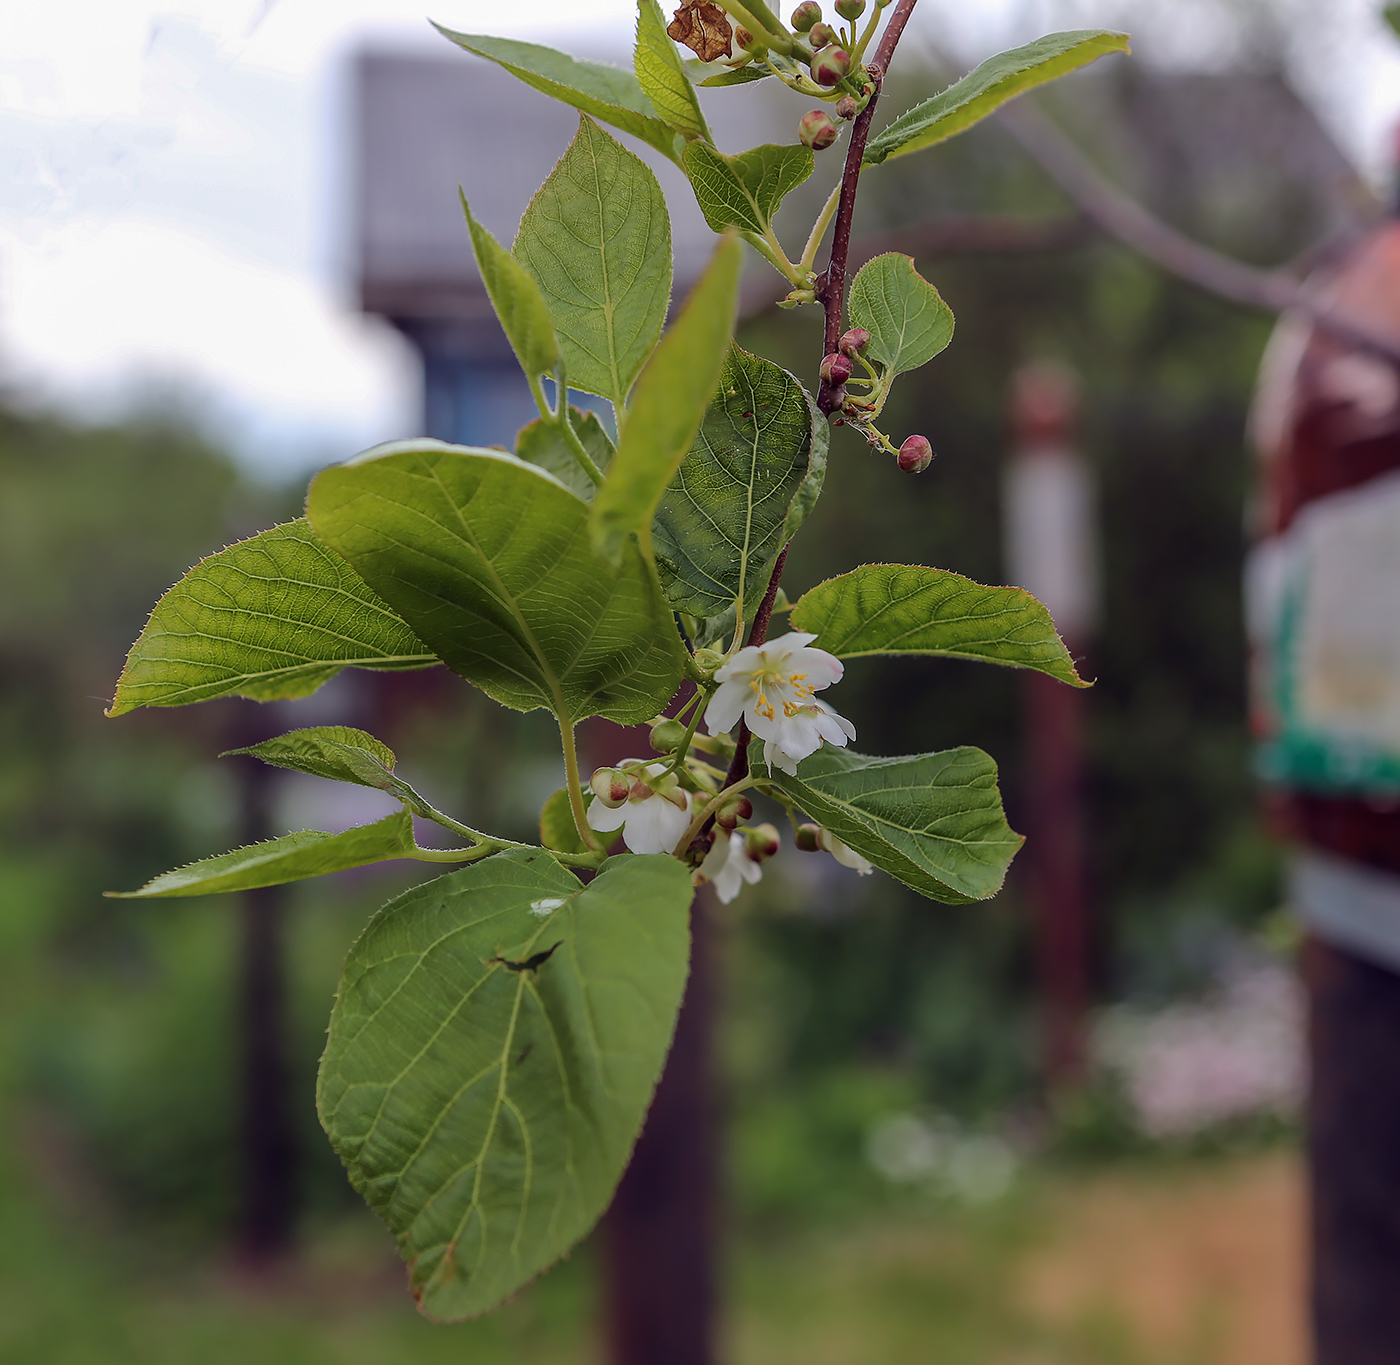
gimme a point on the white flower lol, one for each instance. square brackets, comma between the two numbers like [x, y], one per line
[773, 686]
[844, 854]
[653, 818]
[728, 866]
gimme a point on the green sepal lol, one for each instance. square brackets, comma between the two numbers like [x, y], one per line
[987, 87]
[934, 821]
[292, 858]
[495, 1043]
[908, 609]
[270, 618]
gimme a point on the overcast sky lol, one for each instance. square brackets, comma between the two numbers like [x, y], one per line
[173, 190]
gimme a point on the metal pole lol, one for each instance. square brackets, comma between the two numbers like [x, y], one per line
[1049, 542]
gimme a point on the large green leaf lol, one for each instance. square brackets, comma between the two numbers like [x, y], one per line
[491, 560]
[558, 829]
[541, 444]
[672, 395]
[606, 92]
[596, 238]
[933, 820]
[292, 858]
[269, 618]
[340, 753]
[905, 315]
[908, 609]
[495, 1043]
[989, 86]
[724, 517]
[661, 74]
[744, 191]
[517, 300]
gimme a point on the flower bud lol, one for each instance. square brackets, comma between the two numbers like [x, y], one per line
[805, 15]
[816, 130]
[846, 107]
[915, 455]
[850, 9]
[760, 842]
[831, 66]
[854, 342]
[611, 786]
[708, 660]
[734, 811]
[822, 35]
[836, 368]
[807, 838]
[667, 735]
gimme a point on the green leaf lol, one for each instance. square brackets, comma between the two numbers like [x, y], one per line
[490, 558]
[269, 618]
[744, 191]
[596, 238]
[661, 74]
[725, 515]
[1391, 14]
[340, 753]
[905, 315]
[934, 821]
[517, 300]
[742, 76]
[292, 858]
[541, 444]
[670, 404]
[557, 827]
[989, 86]
[604, 92]
[486, 1108]
[908, 609]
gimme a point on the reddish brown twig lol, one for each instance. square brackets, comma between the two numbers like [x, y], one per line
[831, 287]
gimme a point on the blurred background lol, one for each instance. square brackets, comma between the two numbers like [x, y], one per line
[218, 272]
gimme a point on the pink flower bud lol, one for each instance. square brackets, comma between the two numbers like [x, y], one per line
[805, 15]
[846, 107]
[821, 35]
[854, 342]
[816, 130]
[850, 9]
[836, 368]
[760, 842]
[831, 66]
[915, 455]
[807, 837]
[734, 811]
[611, 786]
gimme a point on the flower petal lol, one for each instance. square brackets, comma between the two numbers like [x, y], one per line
[606, 819]
[725, 707]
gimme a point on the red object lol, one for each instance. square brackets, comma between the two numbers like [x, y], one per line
[1328, 419]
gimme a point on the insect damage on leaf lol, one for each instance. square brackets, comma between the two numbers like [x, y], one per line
[703, 28]
[530, 964]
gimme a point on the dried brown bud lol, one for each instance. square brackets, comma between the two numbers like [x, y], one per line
[831, 66]
[704, 28]
[816, 130]
[915, 455]
[836, 368]
[805, 15]
[846, 107]
[854, 342]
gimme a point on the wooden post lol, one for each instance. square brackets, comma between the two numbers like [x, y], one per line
[1050, 552]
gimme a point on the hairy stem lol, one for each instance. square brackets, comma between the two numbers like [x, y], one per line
[585, 830]
[706, 812]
